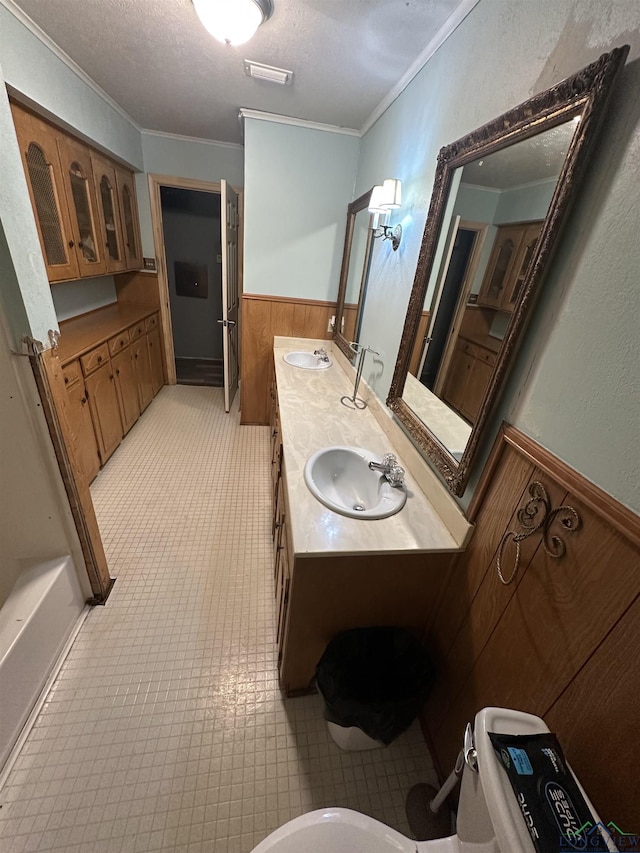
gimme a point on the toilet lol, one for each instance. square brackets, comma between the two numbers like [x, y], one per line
[489, 818]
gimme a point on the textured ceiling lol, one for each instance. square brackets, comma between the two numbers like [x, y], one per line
[531, 160]
[155, 59]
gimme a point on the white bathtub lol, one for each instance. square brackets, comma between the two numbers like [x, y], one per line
[36, 620]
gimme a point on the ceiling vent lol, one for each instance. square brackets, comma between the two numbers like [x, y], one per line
[268, 73]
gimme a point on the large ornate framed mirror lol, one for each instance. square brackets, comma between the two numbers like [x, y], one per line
[499, 199]
[356, 258]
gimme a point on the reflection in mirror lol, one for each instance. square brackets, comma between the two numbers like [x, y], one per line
[499, 197]
[354, 273]
[496, 208]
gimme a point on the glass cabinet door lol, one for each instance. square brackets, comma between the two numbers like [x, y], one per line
[42, 167]
[129, 216]
[104, 176]
[521, 265]
[76, 168]
[499, 267]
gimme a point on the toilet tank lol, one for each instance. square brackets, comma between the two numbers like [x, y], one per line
[489, 818]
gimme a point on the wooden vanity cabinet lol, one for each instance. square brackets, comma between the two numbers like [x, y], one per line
[468, 377]
[142, 368]
[105, 411]
[319, 596]
[155, 361]
[511, 254]
[126, 388]
[81, 423]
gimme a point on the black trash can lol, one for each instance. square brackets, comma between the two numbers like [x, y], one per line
[376, 679]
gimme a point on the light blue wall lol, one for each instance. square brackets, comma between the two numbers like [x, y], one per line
[71, 298]
[185, 158]
[524, 204]
[39, 75]
[298, 183]
[574, 386]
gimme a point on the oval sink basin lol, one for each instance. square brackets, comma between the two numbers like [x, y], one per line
[340, 478]
[306, 360]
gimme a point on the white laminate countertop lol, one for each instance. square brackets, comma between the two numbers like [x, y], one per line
[312, 417]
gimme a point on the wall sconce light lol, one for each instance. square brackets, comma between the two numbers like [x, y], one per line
[384, 199]
[233, 21]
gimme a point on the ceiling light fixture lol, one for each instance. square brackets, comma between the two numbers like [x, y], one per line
[233, 21]
[268, 73]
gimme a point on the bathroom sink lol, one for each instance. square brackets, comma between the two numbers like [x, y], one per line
[306, 360]
[340, 478]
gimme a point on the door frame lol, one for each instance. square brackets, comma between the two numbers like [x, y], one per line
[155, 183]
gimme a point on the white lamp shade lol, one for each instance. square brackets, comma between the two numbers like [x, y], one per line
[230, 21]
[392, 193]
[377, 199]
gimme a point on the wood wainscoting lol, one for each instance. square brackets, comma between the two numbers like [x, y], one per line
[560, 641]
[262, 318]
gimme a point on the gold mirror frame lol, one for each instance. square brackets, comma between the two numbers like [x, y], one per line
[361, 203]
[585, 94]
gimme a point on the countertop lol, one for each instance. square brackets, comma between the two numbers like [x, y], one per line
[312, 417]
[82, 333]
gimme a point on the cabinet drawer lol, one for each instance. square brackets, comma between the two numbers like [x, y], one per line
[72, 373]
[151, 323]
[469, 348]
[486, 356]
[95, 359]
[136, 331]
[119, 342]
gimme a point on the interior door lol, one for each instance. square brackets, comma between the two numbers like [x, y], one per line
[442, 275]
[229, 228]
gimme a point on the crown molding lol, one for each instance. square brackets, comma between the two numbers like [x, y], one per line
[450, 25]
[274, 118]
[180, 138]
[57, 51]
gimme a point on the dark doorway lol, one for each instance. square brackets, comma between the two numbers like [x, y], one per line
[192, 240]
[460, 257]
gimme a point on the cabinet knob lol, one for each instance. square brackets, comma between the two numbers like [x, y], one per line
[117, 371]
[71, 244]
[99, 359]
[136, 355]
[83, 400]
[66, 380]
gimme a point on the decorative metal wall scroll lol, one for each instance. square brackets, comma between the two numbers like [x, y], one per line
[536, 515]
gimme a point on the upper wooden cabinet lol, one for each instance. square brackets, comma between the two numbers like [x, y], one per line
[104, 177]
[512, 251]
[129, 217]
[84, 204]
[77, 176]
[41, 162]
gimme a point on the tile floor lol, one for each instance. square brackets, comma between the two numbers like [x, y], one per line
[165, 729]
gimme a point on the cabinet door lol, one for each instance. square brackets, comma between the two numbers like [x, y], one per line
[142, 365]
[155, 361]
[129, 217]
[75, 159]
[41, 161]
[126, 388]
[104, 177]
[500, 265]
[527, 247]
[83, 432]
[103, 400]
[455, 386]
[479, 375]
[283, 583]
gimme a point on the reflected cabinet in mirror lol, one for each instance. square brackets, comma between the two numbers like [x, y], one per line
[499, 199]
[353, 274]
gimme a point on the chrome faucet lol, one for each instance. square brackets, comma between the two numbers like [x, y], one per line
[389, 467]
[321, 354]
